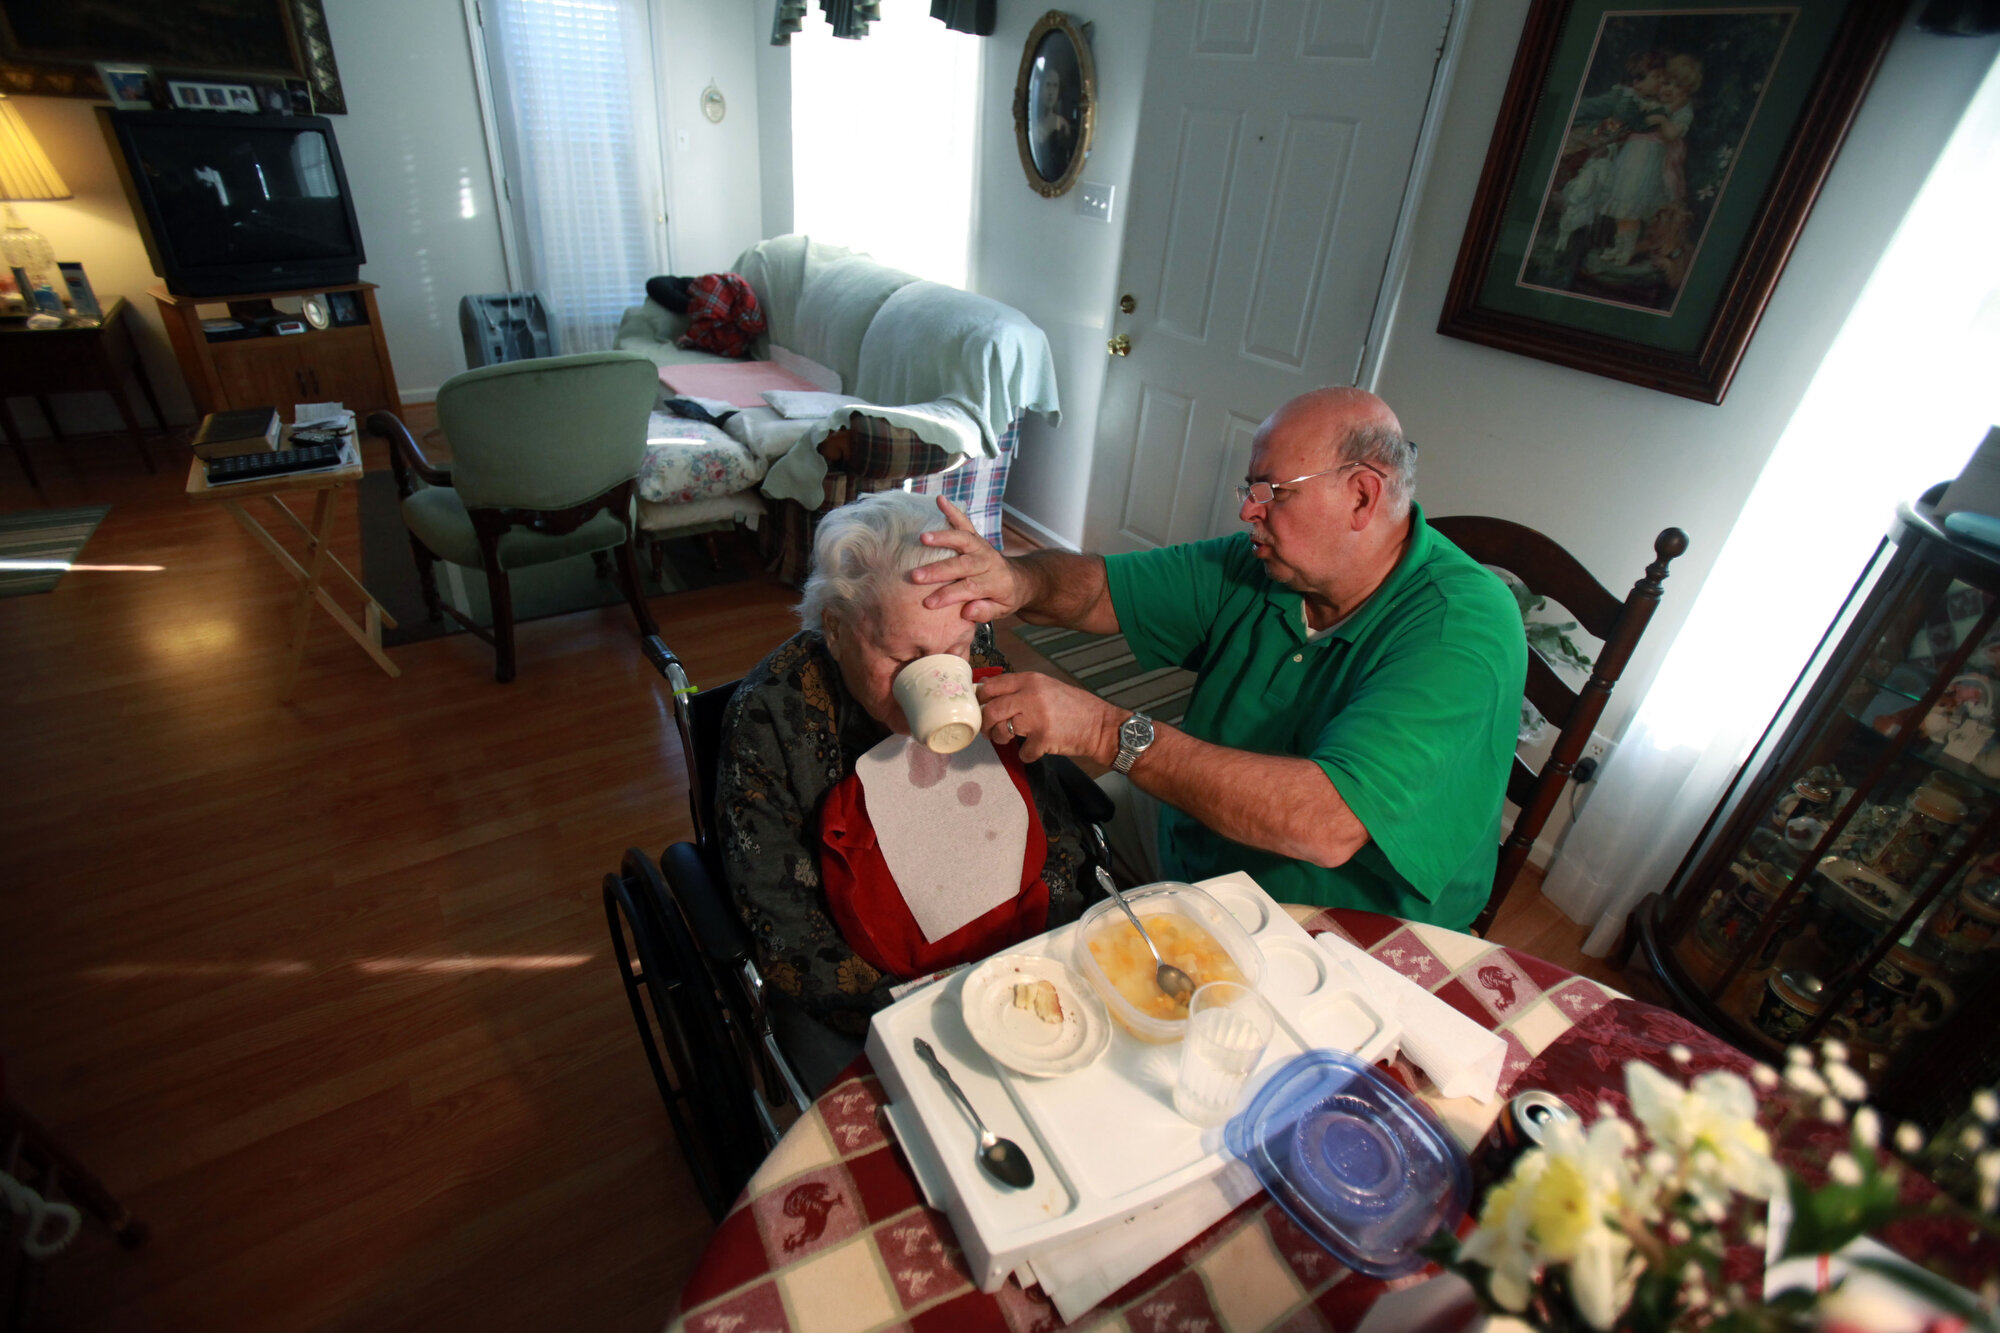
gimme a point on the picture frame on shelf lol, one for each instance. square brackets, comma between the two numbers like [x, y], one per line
[47, 50]
[199, 95]
[345, 308]
[1647, 177]
[128, 87]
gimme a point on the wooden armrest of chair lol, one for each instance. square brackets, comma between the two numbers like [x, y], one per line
[834, 447]
[405, 456]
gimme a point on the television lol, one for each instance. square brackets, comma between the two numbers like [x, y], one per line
[232, 204]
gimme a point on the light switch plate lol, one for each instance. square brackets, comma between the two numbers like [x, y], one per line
[1094, 200]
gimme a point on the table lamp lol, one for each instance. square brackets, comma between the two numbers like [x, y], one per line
[27, 173]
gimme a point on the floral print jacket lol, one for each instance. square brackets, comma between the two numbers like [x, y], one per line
[791, 733]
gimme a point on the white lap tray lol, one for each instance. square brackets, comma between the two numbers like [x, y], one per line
[1106, 1143]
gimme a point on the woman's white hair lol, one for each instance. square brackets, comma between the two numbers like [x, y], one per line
[861, 548]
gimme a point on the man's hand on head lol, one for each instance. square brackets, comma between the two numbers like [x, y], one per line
[980, 581]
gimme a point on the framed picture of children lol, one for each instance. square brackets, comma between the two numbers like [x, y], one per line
[1647, 177]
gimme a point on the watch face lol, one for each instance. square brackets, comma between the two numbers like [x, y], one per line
[316, 312]
[1136, 732]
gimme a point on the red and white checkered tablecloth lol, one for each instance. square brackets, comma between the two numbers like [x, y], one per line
[832, 1234]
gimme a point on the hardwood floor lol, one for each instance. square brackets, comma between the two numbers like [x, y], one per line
[322, 990]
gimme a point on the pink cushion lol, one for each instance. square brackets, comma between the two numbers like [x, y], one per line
[739, 382]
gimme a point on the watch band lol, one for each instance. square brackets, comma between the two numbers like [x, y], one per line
[1135, 734]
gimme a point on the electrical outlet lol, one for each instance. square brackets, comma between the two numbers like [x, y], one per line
[1094, 200]
[1595, 751]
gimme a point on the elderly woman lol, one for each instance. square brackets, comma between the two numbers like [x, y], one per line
[803, 716]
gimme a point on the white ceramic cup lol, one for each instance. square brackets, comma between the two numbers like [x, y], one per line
[937, 699]
[1228, 1027]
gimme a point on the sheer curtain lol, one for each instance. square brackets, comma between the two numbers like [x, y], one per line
[901, 107]
[1903, 398]
[578, 121]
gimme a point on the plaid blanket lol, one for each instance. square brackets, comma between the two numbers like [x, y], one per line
[881, 457]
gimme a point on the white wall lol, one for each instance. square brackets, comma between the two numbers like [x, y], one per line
[774, 122]
[1047, 260]
[1602, 465]
[714, 195]
[415, 155]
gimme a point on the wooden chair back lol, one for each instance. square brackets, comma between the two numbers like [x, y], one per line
[1552, 572]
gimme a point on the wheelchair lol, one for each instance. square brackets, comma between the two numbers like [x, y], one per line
[735, 1061]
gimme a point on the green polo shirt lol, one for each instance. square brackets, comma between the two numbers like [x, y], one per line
[1411, 706]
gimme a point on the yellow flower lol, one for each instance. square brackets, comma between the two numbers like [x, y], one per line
[1562, 1209]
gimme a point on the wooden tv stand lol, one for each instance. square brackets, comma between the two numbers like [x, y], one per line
[342, 364]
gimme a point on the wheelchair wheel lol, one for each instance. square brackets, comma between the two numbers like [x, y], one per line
[687, 1036]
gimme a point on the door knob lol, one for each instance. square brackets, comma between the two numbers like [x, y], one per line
[1127, 304]
[1119, 346]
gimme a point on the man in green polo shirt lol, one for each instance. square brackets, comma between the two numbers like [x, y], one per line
[1358, 677]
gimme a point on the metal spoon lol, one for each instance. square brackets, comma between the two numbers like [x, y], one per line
[1002, 1158]
[1177, 984]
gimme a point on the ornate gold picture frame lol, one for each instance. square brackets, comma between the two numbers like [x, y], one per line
[1055, 103]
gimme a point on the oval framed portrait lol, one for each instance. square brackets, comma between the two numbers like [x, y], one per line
[1055, 104]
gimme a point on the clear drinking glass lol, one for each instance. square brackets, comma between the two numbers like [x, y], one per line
[1228, 1027]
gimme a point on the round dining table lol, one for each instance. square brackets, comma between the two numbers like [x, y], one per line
[832, 1234]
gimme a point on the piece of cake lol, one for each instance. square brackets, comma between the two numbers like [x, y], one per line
[1040, 999]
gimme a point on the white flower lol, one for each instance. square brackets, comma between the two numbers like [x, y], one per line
[1501, 1242]
[1986, 1105]
[1588, 1178]
[1764, 1077]
[1844, 1169]
[1798, 1055]
[1844, 1081]
[1603, 1275]
[1679, 1054]
[1712, 1124]
[1806, 1079]
[1987, 1165]
[1833, 1050]
[1867, 1127]
[1971, 1138]
[1909, 1138]
[1833, 1110]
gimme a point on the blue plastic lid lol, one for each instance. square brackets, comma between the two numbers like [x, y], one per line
[1363, 1168]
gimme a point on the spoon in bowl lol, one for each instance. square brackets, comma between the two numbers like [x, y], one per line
[1002, 1158]
[1177, 984]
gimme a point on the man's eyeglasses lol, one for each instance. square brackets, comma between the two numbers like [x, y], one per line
[1264, 492]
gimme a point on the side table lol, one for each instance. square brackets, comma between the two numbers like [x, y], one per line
[319, 560]
[74, 358]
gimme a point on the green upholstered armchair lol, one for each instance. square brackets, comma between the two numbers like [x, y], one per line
[543, 457]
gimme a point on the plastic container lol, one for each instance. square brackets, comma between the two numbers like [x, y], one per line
[1164, 899]
[1360, 1165]
[506, 326]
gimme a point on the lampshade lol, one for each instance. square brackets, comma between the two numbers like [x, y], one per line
[25, 170]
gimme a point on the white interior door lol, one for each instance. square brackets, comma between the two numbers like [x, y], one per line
[1268, 175]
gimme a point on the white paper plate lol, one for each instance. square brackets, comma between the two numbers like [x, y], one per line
[1016, 1037]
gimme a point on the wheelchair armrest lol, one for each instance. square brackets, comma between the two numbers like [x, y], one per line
[1089, 800]
[705, 903]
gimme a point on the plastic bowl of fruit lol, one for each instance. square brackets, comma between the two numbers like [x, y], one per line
[1194, 932]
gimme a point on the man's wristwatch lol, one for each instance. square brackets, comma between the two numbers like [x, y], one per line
[1134, 735]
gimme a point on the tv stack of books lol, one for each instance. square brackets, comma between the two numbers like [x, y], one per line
[243, 445]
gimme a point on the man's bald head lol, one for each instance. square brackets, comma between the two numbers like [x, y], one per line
[1351, 426]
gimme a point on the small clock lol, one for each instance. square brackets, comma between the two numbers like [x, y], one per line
[712, 104]
[316, 313]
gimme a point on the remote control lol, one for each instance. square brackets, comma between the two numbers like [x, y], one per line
[250, 467]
